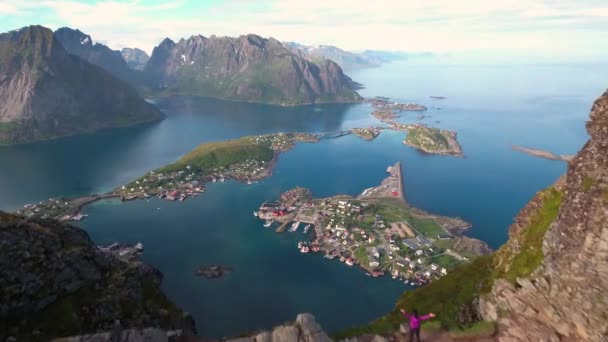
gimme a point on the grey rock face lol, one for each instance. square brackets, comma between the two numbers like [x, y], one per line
[248, 68]
[304, 329]
[135, 58]
[81, 45]
[46, 92]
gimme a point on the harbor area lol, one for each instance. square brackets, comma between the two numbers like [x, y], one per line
[377, 231]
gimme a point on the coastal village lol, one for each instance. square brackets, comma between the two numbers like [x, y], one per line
[377, 231]
[247, 159]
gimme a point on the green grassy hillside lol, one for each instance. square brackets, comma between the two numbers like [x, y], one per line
[222, 154]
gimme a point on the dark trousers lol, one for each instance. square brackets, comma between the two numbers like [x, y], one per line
[415, 332]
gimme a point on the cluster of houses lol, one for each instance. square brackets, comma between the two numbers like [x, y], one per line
[176, 185]
[283, 141]
[46, 209]
[405, 258]
[386, 104]
[356, 234]
[189, 182]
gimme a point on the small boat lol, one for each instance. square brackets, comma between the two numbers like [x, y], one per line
[79, 217]
[268, 224]
[255, 213]
[306, 228]
[304, 249]
[294, 226]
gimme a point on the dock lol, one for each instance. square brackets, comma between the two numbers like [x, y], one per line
[400, 178]
[282, 227]
[391, 186]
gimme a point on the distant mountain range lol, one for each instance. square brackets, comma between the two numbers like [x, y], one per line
[247, 68]
[63, 83]
[45, 92]
[352, 60]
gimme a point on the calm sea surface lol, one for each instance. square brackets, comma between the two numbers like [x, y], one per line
[491, 107]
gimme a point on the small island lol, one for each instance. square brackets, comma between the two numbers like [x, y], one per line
[542, 153]
[368, 134]
[377, 230]
[386, 110]
[213, 271]
[433, 140]
[421, 137]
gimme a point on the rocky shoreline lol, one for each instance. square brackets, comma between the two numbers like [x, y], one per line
[543, 154]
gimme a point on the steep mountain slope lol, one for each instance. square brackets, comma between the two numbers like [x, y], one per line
[566, 296]
[47, 93]
[55, 282]
[548, 281]
[80, 44]
[248, 68]
[135, 58]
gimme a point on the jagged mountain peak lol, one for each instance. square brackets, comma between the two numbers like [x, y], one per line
[74, 34]
[246, 68]
[45, 92]
[80, 44]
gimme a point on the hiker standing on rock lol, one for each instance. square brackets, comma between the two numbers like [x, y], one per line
[415, 321]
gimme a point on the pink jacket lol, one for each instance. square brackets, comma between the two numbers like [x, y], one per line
[415, 321]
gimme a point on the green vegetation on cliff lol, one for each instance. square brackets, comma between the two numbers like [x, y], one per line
[453, 298]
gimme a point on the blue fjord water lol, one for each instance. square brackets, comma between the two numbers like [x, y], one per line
[491, 107]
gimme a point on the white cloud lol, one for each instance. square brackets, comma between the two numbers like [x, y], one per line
[7, 8]
[529, 26]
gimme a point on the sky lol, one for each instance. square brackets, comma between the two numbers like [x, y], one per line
[543, 30]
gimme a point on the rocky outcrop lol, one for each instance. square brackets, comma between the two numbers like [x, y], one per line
[55, 282]
[46, 92]
[304, 329]
[135, 58]
[565, 298]
[248, 68]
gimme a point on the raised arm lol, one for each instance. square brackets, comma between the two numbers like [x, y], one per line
[407, 315]
[425, 317]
